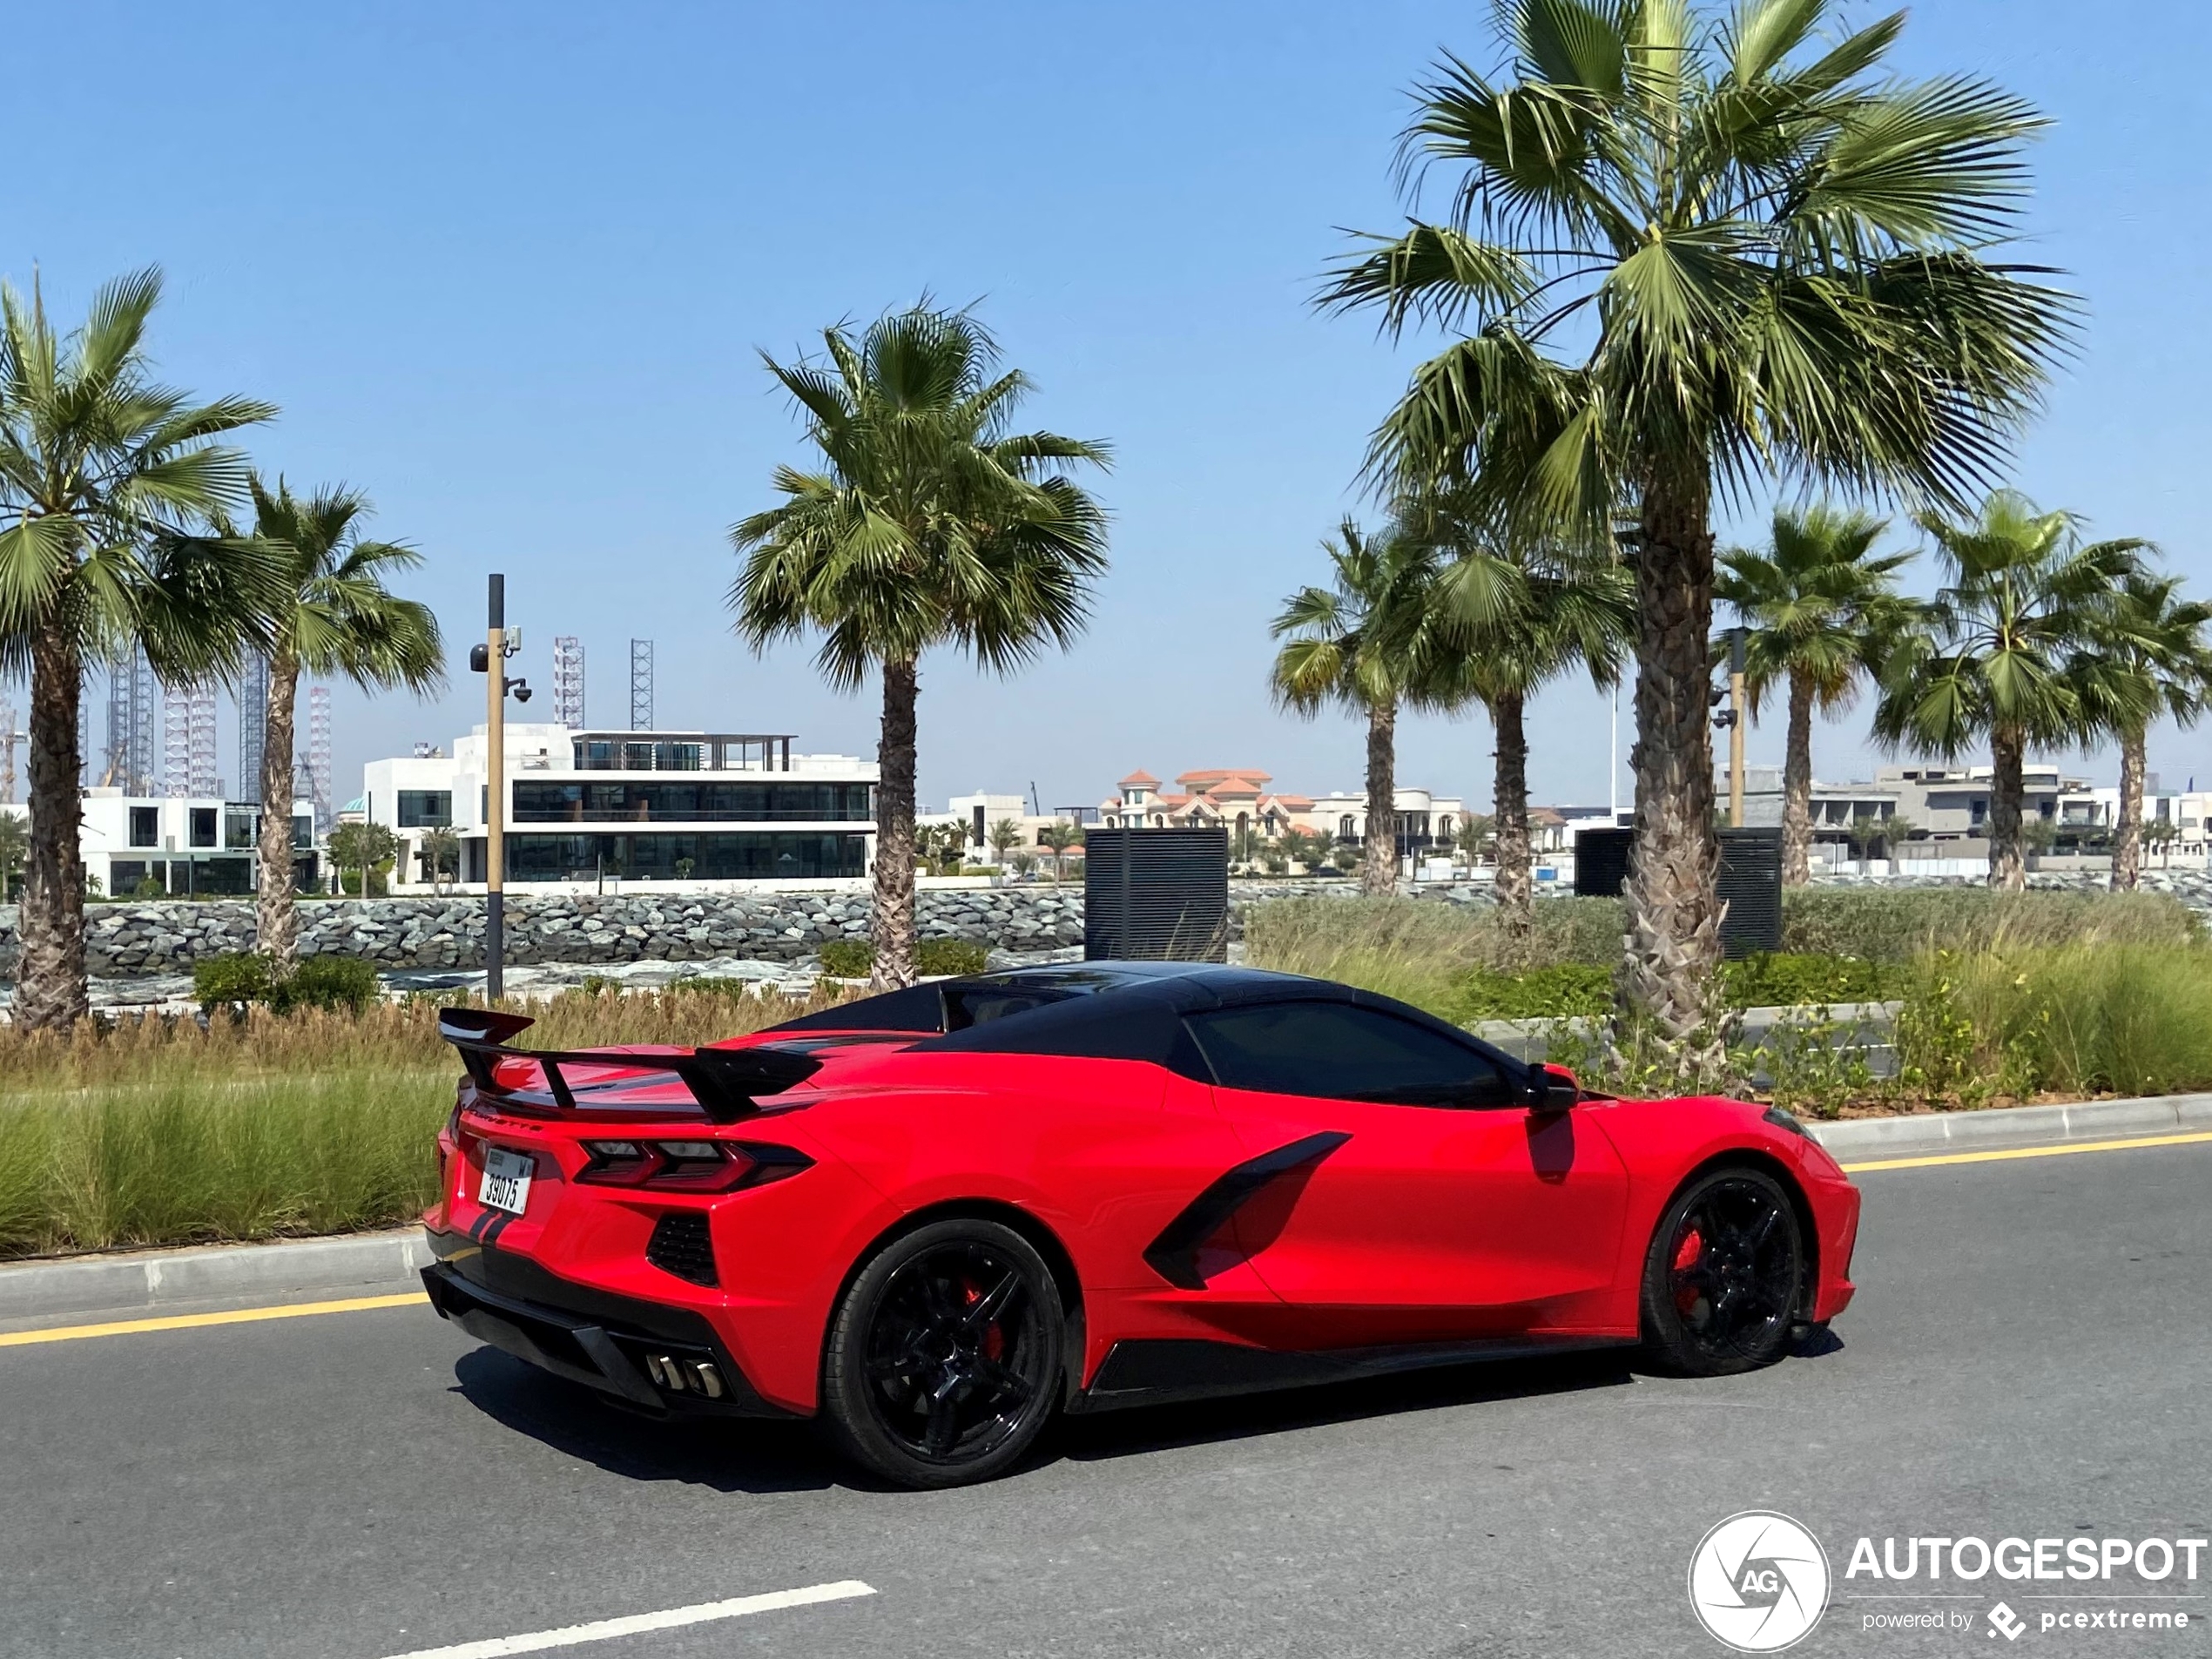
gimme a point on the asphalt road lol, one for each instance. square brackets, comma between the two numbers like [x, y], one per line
[2029, 1355]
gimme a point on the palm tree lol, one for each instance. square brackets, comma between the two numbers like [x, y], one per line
[2150, 657]
[1057, 838]
[107, 482]
[2006, 656]
[1820, 610]
[1512, 617]
[339, 618]
[441, 850]
[1005, 836]
[1364, 643]
[930, 524]
[1682, 251]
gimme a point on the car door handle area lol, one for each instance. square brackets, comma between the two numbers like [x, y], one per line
[1174, 1254]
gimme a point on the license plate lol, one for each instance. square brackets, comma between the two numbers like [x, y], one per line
[507, 1180]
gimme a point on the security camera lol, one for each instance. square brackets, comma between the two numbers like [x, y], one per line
[522, 690]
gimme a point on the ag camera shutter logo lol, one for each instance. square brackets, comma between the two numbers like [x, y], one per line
[1758, 1581]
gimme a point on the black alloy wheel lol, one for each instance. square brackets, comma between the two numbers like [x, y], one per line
[944, 1358]
[1726, 1277]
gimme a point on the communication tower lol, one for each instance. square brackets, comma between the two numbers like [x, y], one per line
[641, 686]
[568, 681]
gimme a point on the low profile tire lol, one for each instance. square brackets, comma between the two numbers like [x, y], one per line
[1723, 1282]
[943, 1360]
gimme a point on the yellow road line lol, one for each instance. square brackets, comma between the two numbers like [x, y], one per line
[194, 1321]
[2025, 1152]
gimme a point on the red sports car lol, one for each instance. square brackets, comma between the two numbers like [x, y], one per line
[935, 1217]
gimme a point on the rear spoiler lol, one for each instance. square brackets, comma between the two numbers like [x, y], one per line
[726, 1082]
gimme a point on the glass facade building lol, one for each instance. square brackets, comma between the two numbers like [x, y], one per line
[659, 802]
[791, 855]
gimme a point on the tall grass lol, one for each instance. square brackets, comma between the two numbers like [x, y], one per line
[1895, 925]
[2125, 1019]
[1420, 951]
[158, 1132]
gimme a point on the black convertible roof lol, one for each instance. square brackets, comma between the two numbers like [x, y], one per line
[1108, 1010]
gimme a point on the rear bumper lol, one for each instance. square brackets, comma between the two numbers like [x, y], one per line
[612, 1344]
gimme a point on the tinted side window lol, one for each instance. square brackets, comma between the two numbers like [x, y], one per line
[1343, 1053]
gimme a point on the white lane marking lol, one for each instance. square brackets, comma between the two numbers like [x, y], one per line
[639, 1623]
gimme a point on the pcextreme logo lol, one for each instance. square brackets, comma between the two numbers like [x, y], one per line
[1758, 1581]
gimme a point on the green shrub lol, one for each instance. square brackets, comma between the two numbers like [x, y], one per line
[952, 956]
[327, 982]
[233, 982]
[854, 957]
[1795, 979]
[1559, 992]
[150, 886]
[848, 958]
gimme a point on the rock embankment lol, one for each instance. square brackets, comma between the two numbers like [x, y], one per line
[124, 940]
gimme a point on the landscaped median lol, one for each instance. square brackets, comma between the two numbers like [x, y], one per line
[1981, 998]
[167, 1131]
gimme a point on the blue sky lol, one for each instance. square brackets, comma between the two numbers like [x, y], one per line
[506, 268]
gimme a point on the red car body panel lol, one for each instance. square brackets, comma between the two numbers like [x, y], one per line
[1507, 1225]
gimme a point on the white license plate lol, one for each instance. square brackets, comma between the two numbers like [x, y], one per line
[507, 1180]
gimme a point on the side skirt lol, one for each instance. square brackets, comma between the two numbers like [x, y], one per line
[1159, 1372]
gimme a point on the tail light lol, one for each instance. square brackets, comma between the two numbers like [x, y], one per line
[689, 1166]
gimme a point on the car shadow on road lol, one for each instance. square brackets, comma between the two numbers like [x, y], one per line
[1111, 1434]
[741, 1456]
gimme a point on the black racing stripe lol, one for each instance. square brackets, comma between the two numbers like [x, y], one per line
[1174, 1254]
[498, 1226]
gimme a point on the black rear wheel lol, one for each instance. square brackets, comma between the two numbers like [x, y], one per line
[944, 1357]
[1725, 1275]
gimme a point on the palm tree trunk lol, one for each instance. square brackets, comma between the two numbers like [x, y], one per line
[1673, 954]
[892, 923]
[1509, 792]
[1379, 870]
[49, 976]
[2007, 751]
[276, 923]
[2127, 845]
[1797, 786]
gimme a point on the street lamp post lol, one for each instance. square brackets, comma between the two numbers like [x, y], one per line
[496, 796]
[1736, 728]
[490, 659]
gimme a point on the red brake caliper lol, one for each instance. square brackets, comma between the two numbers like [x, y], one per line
[993, 1344]
[1686, 1255]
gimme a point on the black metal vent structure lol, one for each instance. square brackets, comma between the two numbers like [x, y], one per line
[680, 1245]
[1750, 882]
[1155, 895]
[1751, 887]
[1601, 862]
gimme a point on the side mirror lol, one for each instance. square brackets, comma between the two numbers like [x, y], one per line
[1552, 1089]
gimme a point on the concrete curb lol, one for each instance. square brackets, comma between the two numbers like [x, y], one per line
[361, 1263]
[2090, 1120]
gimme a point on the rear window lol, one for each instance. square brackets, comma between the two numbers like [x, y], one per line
[980, 1004]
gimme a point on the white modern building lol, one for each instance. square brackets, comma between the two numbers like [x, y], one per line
[589, 809]
[193, 847]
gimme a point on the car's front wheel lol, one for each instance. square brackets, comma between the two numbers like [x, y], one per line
[944, 1359]
[1724, 1278]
